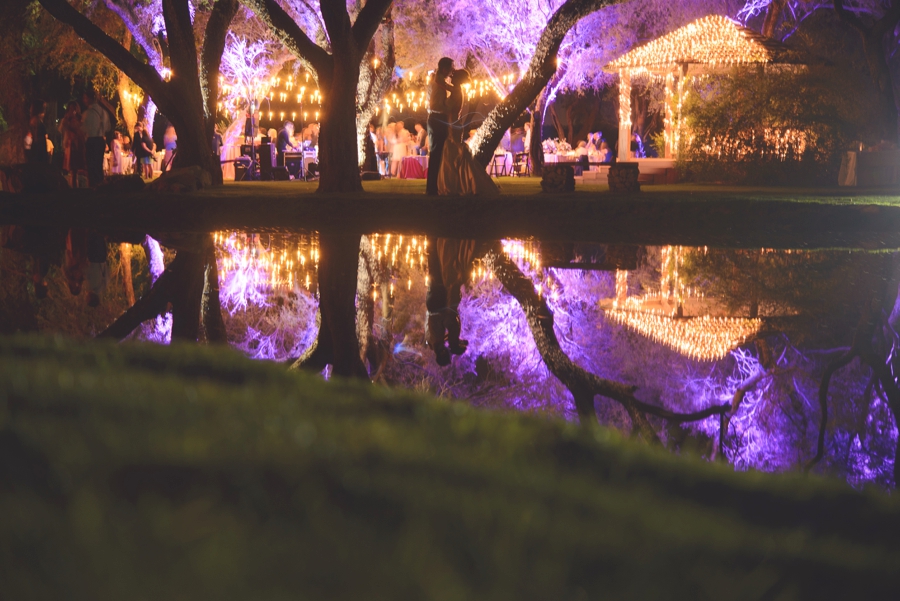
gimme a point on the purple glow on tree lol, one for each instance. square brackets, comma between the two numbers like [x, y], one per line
[155, 258]
[245, 70]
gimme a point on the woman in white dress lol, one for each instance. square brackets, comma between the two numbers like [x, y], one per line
[116, 160]
[400, 150]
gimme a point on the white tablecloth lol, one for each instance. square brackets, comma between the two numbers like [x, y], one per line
[126, 160]
[229, 153]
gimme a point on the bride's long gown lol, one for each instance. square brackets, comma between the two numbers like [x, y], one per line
[460, 175]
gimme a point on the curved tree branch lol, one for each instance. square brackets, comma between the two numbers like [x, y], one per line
[540, 70]
[582, 384]
[368, 20]
[211, 55]
[142, 74]
[292, 36]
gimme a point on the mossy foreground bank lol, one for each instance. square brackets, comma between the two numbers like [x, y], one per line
[145, 472]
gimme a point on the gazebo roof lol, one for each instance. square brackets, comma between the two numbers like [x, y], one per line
[713, 41]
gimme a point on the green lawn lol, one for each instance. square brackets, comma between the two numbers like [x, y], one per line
[532, 185]
[145, 472]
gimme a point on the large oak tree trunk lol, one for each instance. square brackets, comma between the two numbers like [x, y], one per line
[338, 161]
[184, 99]
[337, 73]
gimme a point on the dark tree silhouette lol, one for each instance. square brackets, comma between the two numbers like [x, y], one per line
[873, 35]
[188, 99]
[337, 72]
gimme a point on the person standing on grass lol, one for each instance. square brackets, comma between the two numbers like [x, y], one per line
[36, 138]
[143, 151]
[170, 143]
[73, 144]
[115, 155]
[96, 124]
[438, 121]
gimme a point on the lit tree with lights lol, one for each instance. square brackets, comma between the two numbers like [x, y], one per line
[554, 45]
[337, 72]
[188, 96]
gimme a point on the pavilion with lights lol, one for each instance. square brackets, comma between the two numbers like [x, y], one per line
[707, 45]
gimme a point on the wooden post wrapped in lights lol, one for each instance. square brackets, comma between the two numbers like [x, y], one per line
[707, 44]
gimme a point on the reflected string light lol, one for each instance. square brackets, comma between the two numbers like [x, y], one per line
[702, 338]
[252, 266]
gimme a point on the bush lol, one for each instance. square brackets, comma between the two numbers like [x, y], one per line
[775, 126]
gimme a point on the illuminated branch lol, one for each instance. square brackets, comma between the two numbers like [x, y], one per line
[368, 20]
[211, 56]
[582, 384]
[139, 26]
[292, 36]
[542, 67]
[142, 74]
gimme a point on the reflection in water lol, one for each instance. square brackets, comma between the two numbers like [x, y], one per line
[703, 338]
[678, 315]
[690, 328]
[253, 266]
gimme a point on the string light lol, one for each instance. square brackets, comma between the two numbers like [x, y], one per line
[712, 40]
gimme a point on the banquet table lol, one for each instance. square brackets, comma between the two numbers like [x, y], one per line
[229, 154]
[414, 167]
[126, 160]
[156, 161]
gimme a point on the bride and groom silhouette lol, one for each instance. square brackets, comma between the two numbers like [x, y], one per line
[451, 169]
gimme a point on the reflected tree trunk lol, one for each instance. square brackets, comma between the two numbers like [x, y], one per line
[211, 305]
[337, 343]
[180, 285]
[127, 277]
[367, 282]
[583, 385]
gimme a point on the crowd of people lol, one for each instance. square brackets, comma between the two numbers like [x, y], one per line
[88, 147]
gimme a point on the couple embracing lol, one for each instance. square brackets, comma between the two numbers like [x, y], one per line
[451, 169]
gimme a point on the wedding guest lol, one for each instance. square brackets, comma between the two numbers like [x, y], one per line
[143, 151]
[73, 143]
[116, 155]
[96, 124]
[36, 150]
[170, 144]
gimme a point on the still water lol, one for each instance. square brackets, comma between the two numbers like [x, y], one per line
[688, 327]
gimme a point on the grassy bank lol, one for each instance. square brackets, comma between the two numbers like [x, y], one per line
[144, 472]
